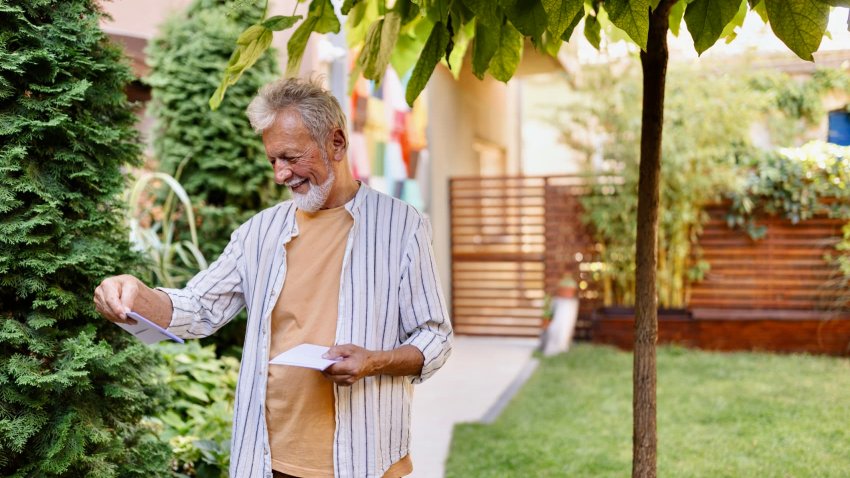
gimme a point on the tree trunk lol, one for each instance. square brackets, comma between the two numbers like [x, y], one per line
[654, 63]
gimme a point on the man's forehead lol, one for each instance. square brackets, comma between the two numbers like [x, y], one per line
[287, 127]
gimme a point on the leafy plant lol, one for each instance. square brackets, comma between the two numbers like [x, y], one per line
[794, 183]
[73, 386]
[152, 230]
[198, 423]
[799, 184]
[699, 157]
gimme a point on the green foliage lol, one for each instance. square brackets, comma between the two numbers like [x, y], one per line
[707, 154]
[198, 423]
[800, 25]
[703, 160]
[798, 184]
[152, 230]
[73, 386]
[796, 105]
[706, 120]
[742, 415]
[226, 172]
[794, 183]
[320, 19]
[706, 20]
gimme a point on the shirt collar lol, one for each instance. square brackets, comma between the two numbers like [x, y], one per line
[352, 206]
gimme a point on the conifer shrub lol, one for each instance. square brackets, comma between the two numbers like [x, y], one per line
[73, 386]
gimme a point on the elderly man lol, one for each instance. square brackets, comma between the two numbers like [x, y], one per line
[339, 265]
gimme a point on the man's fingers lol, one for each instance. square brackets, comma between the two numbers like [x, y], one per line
[129, 290]
[339, 351]
[108, 301]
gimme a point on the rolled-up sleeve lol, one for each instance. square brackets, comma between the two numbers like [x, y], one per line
[424, 317]
[212, 297]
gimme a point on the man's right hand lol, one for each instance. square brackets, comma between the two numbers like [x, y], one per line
[114, 297]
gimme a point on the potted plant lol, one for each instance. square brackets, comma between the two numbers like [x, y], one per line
[567, 287]
[563, 312]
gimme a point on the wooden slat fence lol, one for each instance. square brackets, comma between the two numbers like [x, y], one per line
[512, 240]
[498, 242]
[514, 237]
[783, 274]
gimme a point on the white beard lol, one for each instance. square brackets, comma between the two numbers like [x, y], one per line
[316, 195]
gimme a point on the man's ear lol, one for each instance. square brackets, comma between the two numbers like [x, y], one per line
[339, 144]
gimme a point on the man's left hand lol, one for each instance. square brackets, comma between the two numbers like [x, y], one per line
[354, 363]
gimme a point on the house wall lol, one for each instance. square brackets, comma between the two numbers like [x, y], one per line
[462, 114]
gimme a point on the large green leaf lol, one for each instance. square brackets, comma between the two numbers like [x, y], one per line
[484, 46]
[297, 44]
[461, 44]
[561, 14]
[528, 16]
[409, 44]
[506, 59]
[800, 24]
[347, 5]
[676, 14]
[358, 22]
[572, 26]
[434, 49]
[437, 10]
[729, 33]
[379, 45]
[255, 40]
[631, 16]
[280, 22]
[320, 19]
[326, 19]
[592, 31]
[487, 12]
[760, 10]
[408, 10]
[706, 20]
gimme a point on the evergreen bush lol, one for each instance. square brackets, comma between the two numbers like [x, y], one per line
[226, 169]
[73, 387]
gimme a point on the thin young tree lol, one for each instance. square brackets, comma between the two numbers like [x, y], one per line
[419, 33]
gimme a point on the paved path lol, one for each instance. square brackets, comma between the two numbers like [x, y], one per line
[477, 374]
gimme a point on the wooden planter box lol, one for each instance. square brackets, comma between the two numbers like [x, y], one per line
[803, 331]
[615, 326]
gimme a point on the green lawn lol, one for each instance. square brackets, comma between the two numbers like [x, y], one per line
[719, 415]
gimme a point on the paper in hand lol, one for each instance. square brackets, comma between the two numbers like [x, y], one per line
[304, 355]
[147, 331]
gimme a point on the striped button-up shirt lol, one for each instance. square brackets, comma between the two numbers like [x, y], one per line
[389, 295]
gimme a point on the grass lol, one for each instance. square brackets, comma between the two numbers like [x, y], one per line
[719, 415]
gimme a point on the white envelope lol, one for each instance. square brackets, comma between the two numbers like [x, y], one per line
[304, 355]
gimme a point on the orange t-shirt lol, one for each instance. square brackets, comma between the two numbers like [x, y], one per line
[300, 401]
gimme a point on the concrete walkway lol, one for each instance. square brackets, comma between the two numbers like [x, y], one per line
[474, 385]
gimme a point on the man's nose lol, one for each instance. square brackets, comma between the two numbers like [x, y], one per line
[282, 172]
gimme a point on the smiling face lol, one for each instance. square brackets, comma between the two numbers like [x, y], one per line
[298, 162]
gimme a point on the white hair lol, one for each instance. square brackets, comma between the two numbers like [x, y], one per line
[320, 111]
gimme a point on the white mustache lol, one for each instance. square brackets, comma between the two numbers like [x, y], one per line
[295, 180]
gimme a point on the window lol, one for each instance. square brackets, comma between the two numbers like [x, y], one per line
[839, 127]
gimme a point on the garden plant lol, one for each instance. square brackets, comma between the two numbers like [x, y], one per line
[73, 387]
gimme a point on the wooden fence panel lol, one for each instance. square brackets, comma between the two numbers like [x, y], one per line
[498, 244]
[512, 240]
[785, 270]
